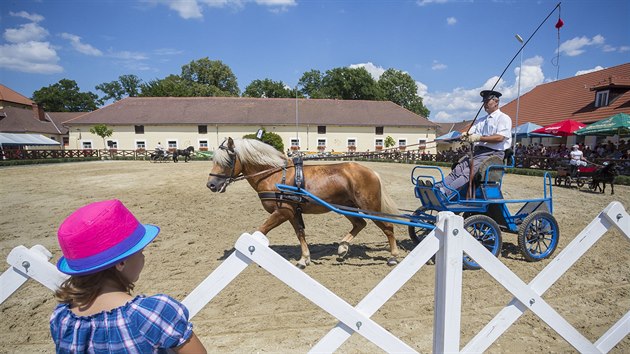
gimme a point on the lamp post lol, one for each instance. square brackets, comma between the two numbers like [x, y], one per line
[297, 134]
[518, 99]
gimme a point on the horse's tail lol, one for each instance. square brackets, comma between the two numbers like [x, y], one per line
[388, 205]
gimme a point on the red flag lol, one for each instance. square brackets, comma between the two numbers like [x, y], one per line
[559, 24]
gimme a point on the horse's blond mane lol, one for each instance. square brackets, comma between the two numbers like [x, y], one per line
[251, 152]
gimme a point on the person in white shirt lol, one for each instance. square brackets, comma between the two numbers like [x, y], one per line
[491, 135]
[160, 150]
[577, 159]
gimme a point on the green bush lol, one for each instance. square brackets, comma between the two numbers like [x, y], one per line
[270, 138]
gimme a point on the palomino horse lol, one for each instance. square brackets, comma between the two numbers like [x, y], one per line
[347, 184]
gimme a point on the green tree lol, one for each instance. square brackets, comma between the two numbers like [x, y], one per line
[64, 96]
[311, 82]
[103, 131]
[212, 73]
[175, 86]
[125, 86]
[401, 89]
[350, 84]
[270, 138]
[389, 142]
[269, 89]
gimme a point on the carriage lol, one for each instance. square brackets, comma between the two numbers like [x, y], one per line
[488, 214]
[575, 175]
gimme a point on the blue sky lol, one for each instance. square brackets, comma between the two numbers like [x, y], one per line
[452, 49]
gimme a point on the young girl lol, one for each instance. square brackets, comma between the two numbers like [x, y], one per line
[102, 247]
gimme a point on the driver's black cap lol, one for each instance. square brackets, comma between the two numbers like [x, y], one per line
[489, 94]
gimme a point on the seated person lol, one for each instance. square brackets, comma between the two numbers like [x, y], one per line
[577, 159]
[491, 136]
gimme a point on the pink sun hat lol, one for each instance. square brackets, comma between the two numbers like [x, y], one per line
[99, 235]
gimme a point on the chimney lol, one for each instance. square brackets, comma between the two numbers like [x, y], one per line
[38, 113]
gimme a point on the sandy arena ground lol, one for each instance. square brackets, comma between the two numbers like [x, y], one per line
[257, 312]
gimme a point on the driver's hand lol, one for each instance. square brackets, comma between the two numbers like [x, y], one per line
[471, 138]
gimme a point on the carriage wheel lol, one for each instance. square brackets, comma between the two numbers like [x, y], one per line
[487, 232]
[422, 214]
[538, 236]
[567, 182]
[580, 182]
[558, 181]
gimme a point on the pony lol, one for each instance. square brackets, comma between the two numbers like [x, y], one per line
[347, 184]
[186, 153]
[606, 174]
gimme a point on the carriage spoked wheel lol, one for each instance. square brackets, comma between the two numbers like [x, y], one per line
[567, 181]
[558, 181]
[580, 182]
[538, 236]
[417, 234]
[487, 232]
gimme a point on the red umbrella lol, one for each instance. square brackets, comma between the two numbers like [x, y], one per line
[564, 128]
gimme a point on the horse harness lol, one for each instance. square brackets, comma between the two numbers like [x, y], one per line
[288, 197]
[280, 196]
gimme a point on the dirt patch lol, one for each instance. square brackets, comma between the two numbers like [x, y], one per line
[258, 313]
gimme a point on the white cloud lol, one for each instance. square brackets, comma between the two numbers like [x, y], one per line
[576, 46]
[30, 57]
[375, 71]
[127, 55]
[438, 66]
[463, 103]
[427, 2]
[27, 32]
[451, 21]
[581, 72]
[26, 15]
[193, 9]
[624, 48]
[83, 48]
[27, 50]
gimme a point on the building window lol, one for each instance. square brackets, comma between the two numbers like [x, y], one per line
[66, 141]
[321, 144]
[295, 144]
[352, 142]
[379, 131]
[378, 144]
[172, 144]
[86, 144]
[141, 145]
[321, 129]
[202, 129]
[422, 143]
[139, 129]
[601, 98]
[203, 145]
[112, 144]
[402, 142]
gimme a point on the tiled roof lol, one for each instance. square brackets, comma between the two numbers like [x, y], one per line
[6, 94]
[573, 98]
[23, 120]
[241, 110]
[446, 128]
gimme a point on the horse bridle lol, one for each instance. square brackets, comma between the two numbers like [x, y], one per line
[231, 178]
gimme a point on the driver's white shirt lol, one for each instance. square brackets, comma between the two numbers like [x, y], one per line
[496, 122]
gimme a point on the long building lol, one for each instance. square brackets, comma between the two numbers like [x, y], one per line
[204, 122]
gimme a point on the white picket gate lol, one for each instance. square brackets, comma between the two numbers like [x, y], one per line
[447, 242]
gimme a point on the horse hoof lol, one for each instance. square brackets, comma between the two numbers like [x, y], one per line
[342, 251]
[392, 262]
[300, 265]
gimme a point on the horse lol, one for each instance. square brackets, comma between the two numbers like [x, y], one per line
[186, 153]
[604, 175]
[346, 184]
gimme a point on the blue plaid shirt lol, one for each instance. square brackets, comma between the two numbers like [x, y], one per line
[143, 325]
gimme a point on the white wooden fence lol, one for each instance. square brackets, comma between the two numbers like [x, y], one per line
[447, 241]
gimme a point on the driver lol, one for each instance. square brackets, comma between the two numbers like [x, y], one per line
[160, 150]
[491, 136]
[577, 159]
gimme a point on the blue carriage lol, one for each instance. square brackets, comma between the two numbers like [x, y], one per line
[487, 215]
